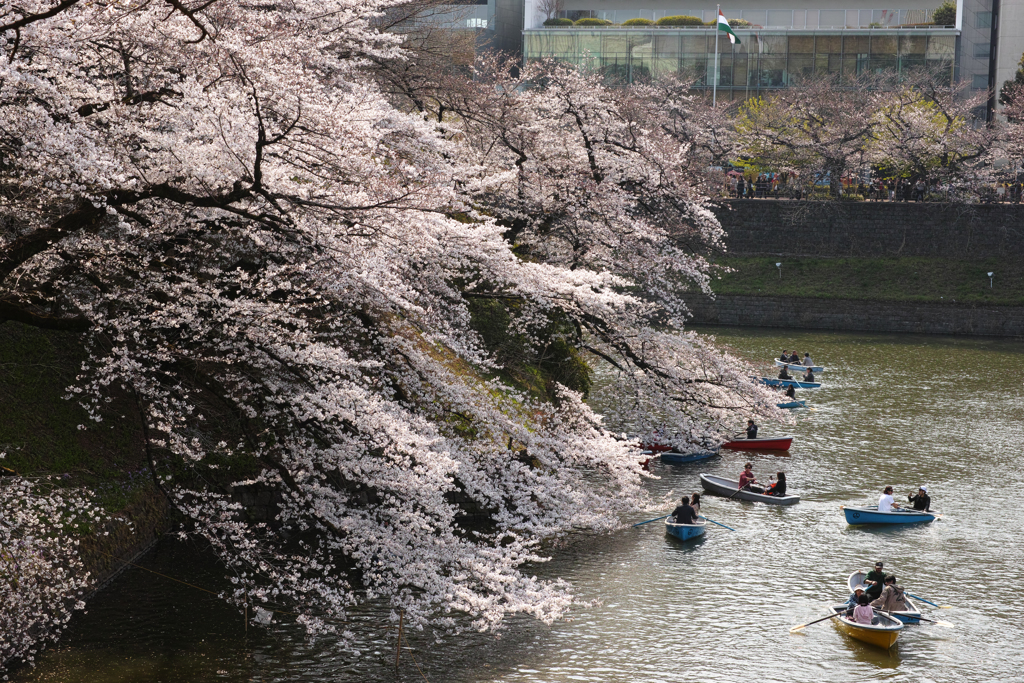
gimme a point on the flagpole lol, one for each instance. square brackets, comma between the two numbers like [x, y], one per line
[714, 76]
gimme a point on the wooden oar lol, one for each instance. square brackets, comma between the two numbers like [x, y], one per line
[651, 520]
[930, 621]
[718, 523]
[918, 597]
[803, 626]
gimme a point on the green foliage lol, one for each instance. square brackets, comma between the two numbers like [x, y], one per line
[680, 20]
[945, 15]
[908, 279]
[1006, 92]
[558, 22]
[591, 21]
[638, 21]
[532, 367]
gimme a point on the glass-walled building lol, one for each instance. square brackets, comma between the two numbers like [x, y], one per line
[764, 59]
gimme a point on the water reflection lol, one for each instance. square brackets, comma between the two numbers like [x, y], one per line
[900, 410]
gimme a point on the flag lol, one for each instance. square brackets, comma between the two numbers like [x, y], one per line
[723, 25]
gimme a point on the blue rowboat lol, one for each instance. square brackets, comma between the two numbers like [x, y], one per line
[674, 458]
[685, 532]
[798, 367]
[774, 382]
[871, 515]
[792, 404]
[911, 615]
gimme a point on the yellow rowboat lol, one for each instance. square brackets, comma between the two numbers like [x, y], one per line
[883, 634]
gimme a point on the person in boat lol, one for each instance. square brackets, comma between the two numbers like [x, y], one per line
[807, 360]
[863, 613]
[794, 358]
[875, 581]
[892, 598]
[778, 487]
[751, 429]
[921, 500]
[854, 599]
[791, 392]
[886, 503]
[684, 513]
[747, 476]
[785, 356]
[784, 373]
[695, 503]
[808, 376]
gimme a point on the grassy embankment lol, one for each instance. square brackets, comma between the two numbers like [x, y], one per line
[912, 280]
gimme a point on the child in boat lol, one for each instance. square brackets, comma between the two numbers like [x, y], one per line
[863, 612]
[778, 488]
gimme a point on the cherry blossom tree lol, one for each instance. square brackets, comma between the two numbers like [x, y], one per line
[926, 130]
[279, 267]
[42, 580]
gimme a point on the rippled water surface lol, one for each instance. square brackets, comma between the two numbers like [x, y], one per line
[893, 409]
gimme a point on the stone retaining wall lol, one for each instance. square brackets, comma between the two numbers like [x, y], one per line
[858, 316]
[872, 229]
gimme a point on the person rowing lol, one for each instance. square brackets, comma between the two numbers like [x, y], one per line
[784, 373]
[791, 392]
[684, 512]
[747, 476]
[751, 429]
[886, 503]
[892, 598]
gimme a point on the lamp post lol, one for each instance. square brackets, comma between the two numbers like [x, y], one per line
[779, 266]
[990, 279]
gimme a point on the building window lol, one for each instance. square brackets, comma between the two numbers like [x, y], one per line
[982, 50]
[982, 20]
[979, 81]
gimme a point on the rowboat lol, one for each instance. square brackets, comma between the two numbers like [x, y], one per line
[911, 615]
[675, 458]
[685, 532]
[655, 447]
[883, 634]
[798, 366]
[792, 404]
[720, 486]
[870, 515]
[775, 382]
[771, 443]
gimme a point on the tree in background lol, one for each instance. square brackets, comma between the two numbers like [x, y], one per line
[926, 130]
[1011, 89]
[945, 14]
[818, 129]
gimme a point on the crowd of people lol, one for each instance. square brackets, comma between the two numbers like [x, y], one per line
[787, 186]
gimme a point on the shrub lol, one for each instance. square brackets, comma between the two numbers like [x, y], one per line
[945, 15]
[558, 22]
[638, 21]
[590, 21]
[681, 20]
[735, 23]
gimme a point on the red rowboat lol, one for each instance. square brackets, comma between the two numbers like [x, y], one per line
[771, 443]
[656, 447]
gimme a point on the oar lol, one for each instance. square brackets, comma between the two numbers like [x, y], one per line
[803, 626]
[719, 524]
[651, 520]
[933, 621]
[918, 597]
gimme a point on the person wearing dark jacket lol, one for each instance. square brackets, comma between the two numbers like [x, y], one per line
[684, 513]
[751, 429]
[791, 392]
[875, 581]
[808, 376]
[784, 373]
[921, 500]
[779, 487]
